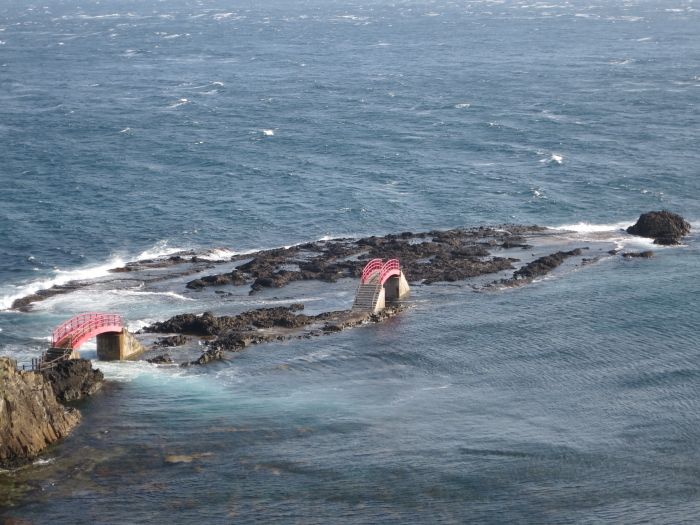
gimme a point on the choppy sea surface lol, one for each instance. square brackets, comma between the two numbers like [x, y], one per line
[131, 129]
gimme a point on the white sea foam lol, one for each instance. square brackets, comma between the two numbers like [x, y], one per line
[59, 278]
[554, 159]
[585, 227]
[217, 254]
[161, 249]
[268, 132]
[181, 102]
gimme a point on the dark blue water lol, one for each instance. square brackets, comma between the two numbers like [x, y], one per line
[131, 129]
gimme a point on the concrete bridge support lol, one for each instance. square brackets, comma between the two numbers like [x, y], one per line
[396, 287]
[117, 346]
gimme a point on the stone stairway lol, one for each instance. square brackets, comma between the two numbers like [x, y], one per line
[367, 296]
[54, 354]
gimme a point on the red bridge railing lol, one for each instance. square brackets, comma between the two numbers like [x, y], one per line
[81, 325]
[371, 267]
[390, 268]
[385, 269]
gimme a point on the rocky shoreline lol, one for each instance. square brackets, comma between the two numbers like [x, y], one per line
[265, 325]
[32, 415]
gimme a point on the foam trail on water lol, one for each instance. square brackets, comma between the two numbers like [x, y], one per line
[161, 249]
[60, 277]
[585, 227]
[217, 254]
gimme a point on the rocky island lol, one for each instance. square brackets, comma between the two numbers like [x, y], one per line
[32, 415]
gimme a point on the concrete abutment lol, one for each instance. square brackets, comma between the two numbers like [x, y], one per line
[118, 346]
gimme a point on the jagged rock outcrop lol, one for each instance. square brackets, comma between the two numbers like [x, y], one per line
[544, 265]
[74, 379]
[209, 324]
[664, 227]
[163, 359]
[536, 268]
[643, 255]
[207, 357]
[234, 277]
[31, 418]
[172, 341]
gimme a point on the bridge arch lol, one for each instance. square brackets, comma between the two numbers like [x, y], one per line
[381, 281]
[81, 328]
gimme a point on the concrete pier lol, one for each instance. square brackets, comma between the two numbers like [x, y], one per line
[118, 346]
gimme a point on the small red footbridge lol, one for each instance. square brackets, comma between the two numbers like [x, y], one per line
[376, 286]
[378, 272]
[74, 332]
[71, 335]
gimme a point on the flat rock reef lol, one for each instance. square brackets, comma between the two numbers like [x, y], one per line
[429, 257]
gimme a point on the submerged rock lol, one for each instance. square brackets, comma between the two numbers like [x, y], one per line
[209, 324]
[160, 360]
[234, 277]
[544, 265]
[664, 227]
[207, 357]
[169, 342]
[31, 417]
[74, 379]
[643, 255]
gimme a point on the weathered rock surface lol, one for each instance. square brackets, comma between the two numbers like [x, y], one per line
[435, 256]
[536, 268]
[643, 255]
[160, 360]
[31, 418]
[209, 324]
[234, 277]
[662, 226]
[74, 379]
[544, 265]
[170, 342]
[207, 357]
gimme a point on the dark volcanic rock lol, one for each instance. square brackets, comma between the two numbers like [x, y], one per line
[169, 342]
[434, 256]
[30, 416]
[543, 265]
[160, 360]
[234, 277]
[238, 340]
[207, 357]
[662, 226]
[644, 255]
[209, 324]
[74, 379]
[538, 267]
[205, 324]
[23, 303]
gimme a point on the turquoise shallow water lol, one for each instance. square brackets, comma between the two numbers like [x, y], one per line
[135, 129]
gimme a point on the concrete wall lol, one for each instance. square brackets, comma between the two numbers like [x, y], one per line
[396, 287]
[381, 300]
[118, 346]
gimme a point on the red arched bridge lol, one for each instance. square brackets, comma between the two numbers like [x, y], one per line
[378, 271]
[70, 336]
[74, 332]
[380, 281]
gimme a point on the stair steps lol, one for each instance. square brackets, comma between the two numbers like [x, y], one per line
[367, 297]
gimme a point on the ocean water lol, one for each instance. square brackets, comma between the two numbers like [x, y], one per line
[135, 129]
